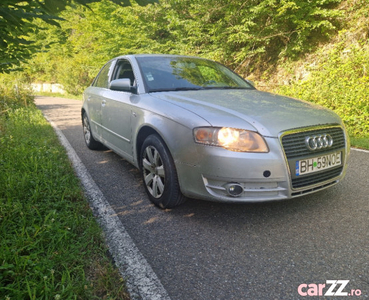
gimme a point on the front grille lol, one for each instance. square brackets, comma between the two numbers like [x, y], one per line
[315, 178]
[294, 144]
[295, 148]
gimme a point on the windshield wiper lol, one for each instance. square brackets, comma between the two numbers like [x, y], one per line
[177, 89]
[188, 88]
[226, 88]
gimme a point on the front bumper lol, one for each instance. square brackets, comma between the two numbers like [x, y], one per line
[261, 176]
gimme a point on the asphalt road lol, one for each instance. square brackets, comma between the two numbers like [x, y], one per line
[204, 250]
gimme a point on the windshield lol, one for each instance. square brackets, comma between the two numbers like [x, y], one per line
[162, 73]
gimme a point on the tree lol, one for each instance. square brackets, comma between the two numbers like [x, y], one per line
[17, 23]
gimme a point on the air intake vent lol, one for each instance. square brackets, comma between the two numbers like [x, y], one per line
[294, 144]
[315, 178]
[295, 148]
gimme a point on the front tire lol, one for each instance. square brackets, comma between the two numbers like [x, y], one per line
[159, 173]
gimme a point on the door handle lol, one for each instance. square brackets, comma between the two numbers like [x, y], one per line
[103, 103]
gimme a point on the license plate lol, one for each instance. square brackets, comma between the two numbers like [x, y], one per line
[319, 163]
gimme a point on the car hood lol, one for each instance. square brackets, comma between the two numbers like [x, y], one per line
[267, 113]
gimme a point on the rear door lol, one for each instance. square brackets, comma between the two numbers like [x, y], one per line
[95, 96]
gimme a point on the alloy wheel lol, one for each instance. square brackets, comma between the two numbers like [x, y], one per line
[153, 171]
[86, 130]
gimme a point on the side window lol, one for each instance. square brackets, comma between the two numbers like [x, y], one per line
[123, 69]
[102, 79]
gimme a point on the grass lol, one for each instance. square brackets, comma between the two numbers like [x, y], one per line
[51, 246]
[69, 96]
[360, 142]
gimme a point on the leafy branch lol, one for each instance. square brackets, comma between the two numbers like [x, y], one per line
[17, 23]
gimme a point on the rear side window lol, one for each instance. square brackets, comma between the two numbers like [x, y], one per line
[102, 79]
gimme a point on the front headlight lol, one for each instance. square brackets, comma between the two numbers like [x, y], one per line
[231, 139]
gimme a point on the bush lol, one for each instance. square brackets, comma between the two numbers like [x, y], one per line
[244, 35]
[14, 93]
[340, 82]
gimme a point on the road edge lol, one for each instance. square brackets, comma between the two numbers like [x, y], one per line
[142, 282]
[360, 150]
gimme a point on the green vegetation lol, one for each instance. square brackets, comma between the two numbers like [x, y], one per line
[17, 24]
[360, 142]
[316, 50]
[51, 246]
[246, 36]
[335, 75]
[339, 81]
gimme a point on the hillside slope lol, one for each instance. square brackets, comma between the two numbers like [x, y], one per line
[335, 75]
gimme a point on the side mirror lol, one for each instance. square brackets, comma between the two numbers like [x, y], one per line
[122, 85]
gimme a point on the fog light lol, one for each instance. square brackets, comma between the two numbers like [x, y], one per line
[234, 189]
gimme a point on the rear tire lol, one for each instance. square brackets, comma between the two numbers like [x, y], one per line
[159, 173]
[87, 134]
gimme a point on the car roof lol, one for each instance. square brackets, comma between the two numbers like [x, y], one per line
[157, 55]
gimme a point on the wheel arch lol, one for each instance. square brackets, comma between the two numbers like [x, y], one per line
[84, 111]
[142, 134]
[172, 193]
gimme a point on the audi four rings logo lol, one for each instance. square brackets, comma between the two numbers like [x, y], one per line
[319, 142]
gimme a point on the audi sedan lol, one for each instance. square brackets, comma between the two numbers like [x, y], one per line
[195, 129]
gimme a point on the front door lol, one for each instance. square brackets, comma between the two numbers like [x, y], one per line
[116, 113]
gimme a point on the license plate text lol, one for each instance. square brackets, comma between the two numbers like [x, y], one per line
[315, 164]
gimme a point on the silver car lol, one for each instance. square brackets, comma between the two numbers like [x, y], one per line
[196, 129]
